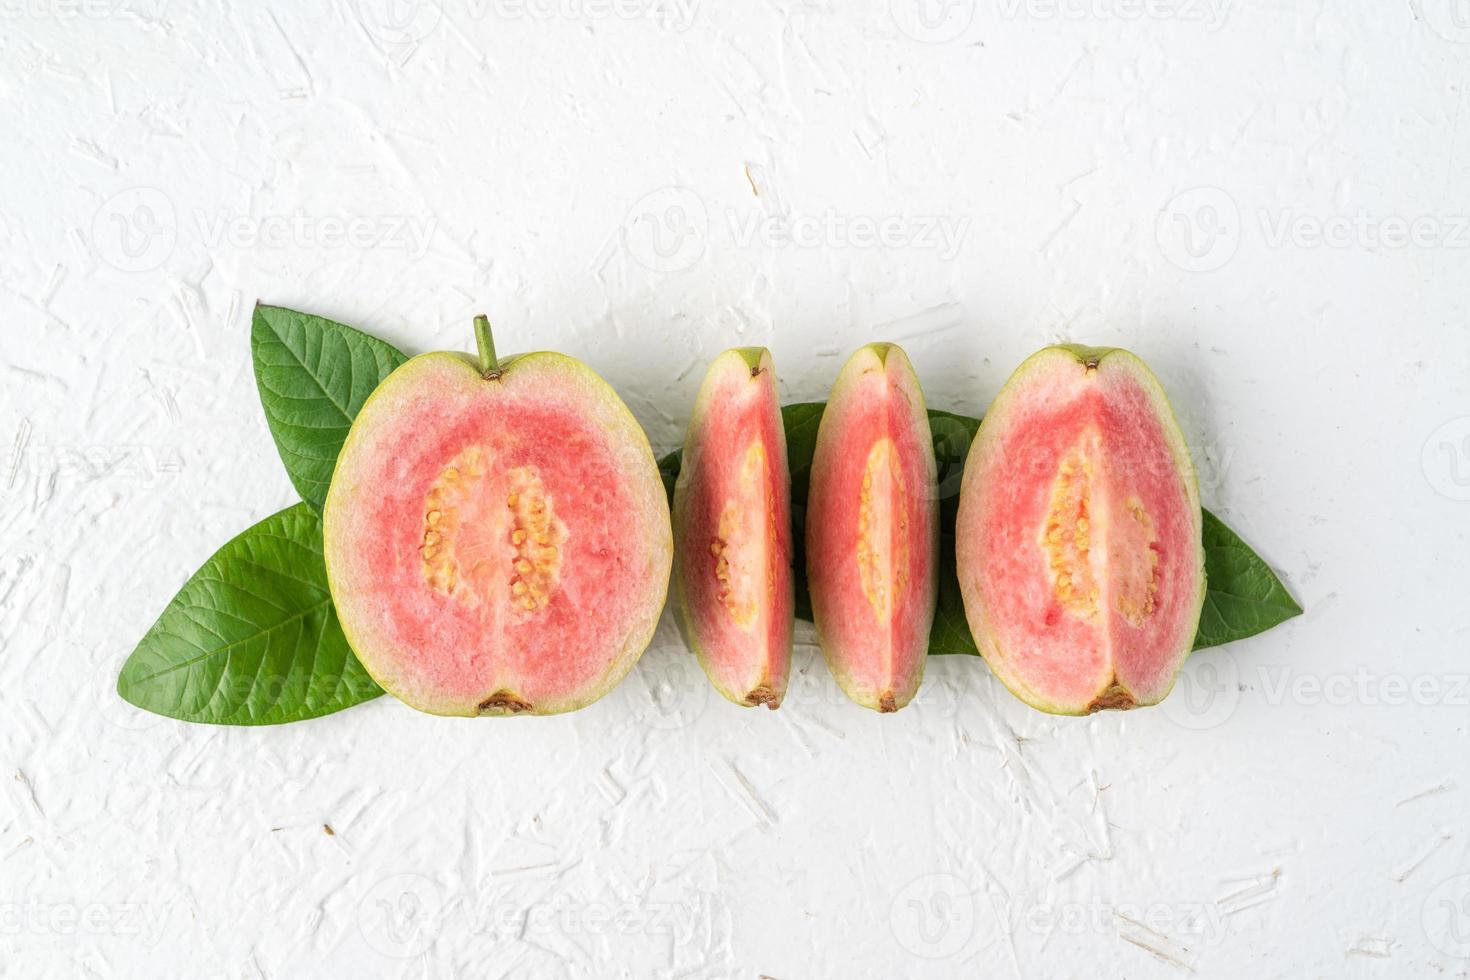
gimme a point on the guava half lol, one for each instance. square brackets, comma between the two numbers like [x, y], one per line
[732, 531]
[872, 529]
[497, 536]
[1078, 542]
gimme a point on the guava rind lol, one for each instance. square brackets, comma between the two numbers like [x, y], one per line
[732, 522]
[1115, 662]
[446, 654]
[872, 545]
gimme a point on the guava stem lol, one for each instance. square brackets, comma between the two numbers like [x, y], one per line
[489, 366]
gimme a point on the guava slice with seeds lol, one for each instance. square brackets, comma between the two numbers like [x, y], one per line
[732, 531]
[1078, 540]
[497, 537]
[872, 529]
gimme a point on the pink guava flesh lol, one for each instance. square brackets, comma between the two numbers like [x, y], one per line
[1078, 538]
[497, 546]
[872, 529]
[732, 531]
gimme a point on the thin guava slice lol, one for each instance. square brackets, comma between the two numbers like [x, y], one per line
[872, 529]
[1078, 543]
[497, 535]
[732, 531]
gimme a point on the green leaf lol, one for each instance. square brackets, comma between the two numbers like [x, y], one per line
[313, 376]
[252, 638]
[952, 435]
[801, 422]
[1243, 598]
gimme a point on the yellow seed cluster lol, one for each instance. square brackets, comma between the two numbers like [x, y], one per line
[442, 511]
[736, 540]
[882, 545]
[1067, 537]
[536, 537]
[1137, 605]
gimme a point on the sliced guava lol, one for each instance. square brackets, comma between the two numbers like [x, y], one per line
[872, 529]
[497, 535]
[1078, 541]
[732, 531]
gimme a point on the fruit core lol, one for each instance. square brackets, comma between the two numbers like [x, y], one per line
[882, 542]
[485, 531]
[741, 565]
[1076, 552]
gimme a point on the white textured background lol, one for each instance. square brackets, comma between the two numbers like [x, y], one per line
[1267, 201]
